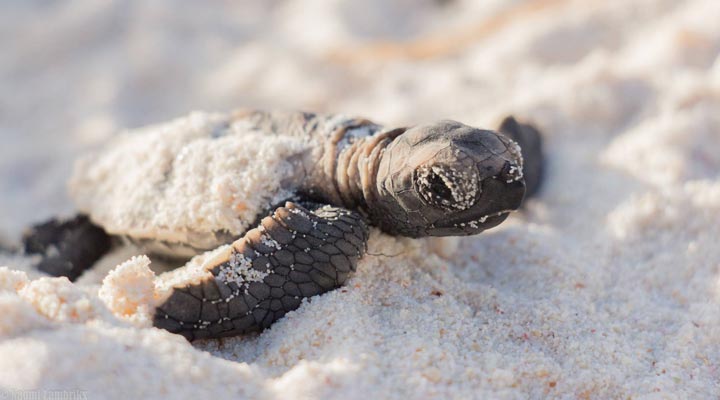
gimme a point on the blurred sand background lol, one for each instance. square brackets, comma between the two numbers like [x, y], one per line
[607, 286]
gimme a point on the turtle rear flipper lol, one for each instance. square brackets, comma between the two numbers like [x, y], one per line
[530, 140]
[68, 246]
[293, 254]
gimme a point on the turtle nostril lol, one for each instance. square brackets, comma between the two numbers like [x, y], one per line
[510, 172]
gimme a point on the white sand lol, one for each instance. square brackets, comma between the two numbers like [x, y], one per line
[178, 183]
[608, 286]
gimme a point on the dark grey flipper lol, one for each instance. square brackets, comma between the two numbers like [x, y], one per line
[530, 141]
[68, 247]
[294, 253]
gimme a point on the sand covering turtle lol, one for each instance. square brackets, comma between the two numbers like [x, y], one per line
[292, 226]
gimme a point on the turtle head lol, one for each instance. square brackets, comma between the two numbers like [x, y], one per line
[448, 179]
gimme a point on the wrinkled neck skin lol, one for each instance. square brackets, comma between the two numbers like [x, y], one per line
[347, 173]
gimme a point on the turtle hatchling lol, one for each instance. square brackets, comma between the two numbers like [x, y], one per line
[281, 201]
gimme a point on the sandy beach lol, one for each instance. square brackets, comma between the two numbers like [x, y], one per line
[607, 285]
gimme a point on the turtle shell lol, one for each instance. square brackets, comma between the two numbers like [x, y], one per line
[195, 182]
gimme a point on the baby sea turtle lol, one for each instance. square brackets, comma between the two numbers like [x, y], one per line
[286, 198]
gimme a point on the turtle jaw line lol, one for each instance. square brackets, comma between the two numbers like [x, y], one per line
[484, 218]
[502, 214]
[477, 224]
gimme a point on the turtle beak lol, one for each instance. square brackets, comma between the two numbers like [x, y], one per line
[499, 198]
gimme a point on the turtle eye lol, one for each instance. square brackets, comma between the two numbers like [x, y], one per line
[446, 188]
[438, 188]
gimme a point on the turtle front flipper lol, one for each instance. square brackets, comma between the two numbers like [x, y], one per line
[529, 139]
[294, 253]
[68, 246]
